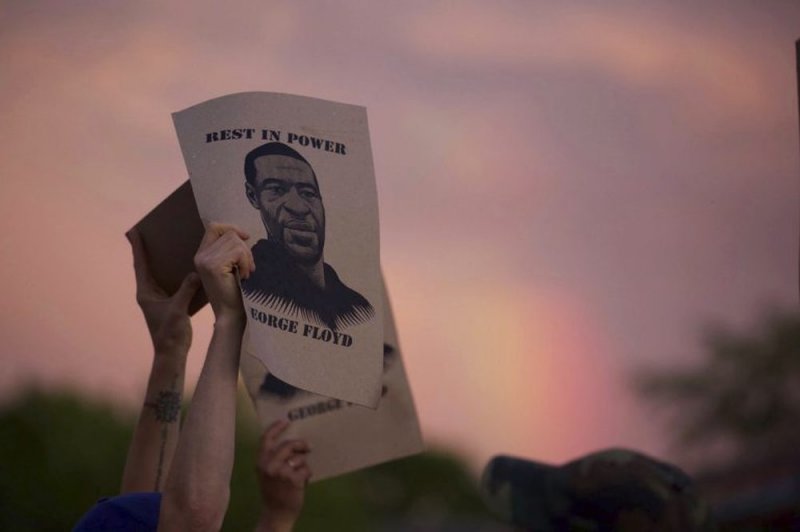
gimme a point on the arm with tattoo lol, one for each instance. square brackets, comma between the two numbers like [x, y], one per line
[156, 435]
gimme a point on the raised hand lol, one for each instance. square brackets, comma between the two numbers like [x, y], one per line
[222, 254]
[167, 316]
[197, 489]
[283, 474]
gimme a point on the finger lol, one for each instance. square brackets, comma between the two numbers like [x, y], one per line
[244, 261]
[289, 472]
[215, 230]
[273, 432]
[234, 253]
[222, 255]
[187, 290]
[144, 279]
[290, 449]
[249, 263]
[210, 235]
[297, 461]
[299, 477]
[287, 450]
[221, 244]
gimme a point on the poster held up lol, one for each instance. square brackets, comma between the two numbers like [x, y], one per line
[296, 174]
[344, 437]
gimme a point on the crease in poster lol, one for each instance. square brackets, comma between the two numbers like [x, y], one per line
[344, 436]
[296, 174]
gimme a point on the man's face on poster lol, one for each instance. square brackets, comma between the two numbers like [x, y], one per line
[286, 192]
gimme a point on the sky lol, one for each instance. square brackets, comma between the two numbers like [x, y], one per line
[569, 192]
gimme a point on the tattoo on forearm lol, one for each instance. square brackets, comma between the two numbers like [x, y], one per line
[167, 408]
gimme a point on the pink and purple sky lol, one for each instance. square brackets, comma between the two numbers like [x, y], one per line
[568, 191]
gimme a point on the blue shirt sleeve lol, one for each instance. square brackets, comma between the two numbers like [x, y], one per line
[132, 512]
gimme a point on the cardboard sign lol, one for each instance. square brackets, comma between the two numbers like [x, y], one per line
[343, 436]
[296, 173]
[171, 233]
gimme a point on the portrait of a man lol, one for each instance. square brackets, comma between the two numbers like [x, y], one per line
[291, 275]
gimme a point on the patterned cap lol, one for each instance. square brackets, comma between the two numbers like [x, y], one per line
[614, 489]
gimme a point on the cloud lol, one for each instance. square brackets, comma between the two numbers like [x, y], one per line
[645, 48]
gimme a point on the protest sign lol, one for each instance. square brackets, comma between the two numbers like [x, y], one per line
[296, 173]
[171, 233]
[343, 436]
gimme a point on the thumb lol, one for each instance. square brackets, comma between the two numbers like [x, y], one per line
[187, 290]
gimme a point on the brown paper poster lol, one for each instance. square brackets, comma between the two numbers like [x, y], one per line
[296, 173]
[343, 436]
